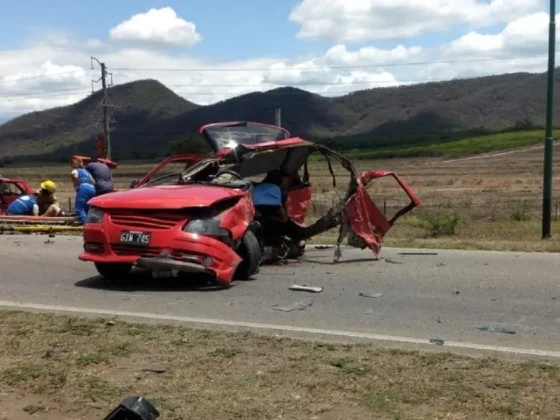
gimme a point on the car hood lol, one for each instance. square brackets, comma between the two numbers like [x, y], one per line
[165, 197]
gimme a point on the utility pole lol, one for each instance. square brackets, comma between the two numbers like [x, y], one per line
[549, 140]
[278, 117]
[105, 104]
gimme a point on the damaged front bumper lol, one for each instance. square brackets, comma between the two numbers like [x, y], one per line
[169, 264]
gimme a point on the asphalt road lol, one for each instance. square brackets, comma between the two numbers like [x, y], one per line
[439, 294]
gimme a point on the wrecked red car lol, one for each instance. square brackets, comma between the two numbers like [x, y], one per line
[210, 217]
[10, 190]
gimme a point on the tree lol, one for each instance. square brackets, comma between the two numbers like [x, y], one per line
[188, 144]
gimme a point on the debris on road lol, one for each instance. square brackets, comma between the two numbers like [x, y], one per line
[437, 341]
[369, 311]
[456, 292]
[497, 330]
[390, 261]
[157, 369]
[298, 306]
[324, 246]
[312, 289]
[417, 253]
[371, 295]
[441, 265]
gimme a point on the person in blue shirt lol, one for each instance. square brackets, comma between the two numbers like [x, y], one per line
[41, 203]
[25, 205]
[85, 188]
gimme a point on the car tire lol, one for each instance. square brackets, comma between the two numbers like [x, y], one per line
[250, 252]
[114, 272]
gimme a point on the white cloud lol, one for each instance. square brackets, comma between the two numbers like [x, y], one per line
[215, 82]
[359, 20]
[523, 37]
[47, 85]
[157, 26]
[93, 43]
[45, 66]
[339, 54]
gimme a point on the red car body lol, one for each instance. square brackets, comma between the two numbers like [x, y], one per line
[199, 223]
[10, 190]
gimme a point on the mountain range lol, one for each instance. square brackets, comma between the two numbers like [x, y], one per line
[149, 118]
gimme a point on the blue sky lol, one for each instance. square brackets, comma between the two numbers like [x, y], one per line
[241, 29]
[356, 44]
[229, 27]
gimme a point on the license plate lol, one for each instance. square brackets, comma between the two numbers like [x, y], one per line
[135, 238]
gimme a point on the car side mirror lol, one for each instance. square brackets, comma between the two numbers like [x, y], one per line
[133, 183]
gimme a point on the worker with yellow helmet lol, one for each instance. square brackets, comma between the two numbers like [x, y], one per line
[42, 202]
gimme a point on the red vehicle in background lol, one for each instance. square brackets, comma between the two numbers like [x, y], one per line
[201, 218]
[10, 190]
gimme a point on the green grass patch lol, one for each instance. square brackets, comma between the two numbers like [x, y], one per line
[464, 147]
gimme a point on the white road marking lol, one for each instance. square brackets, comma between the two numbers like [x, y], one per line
[285, 328]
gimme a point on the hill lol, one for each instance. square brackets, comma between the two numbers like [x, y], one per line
[139, 105]
[152, 117]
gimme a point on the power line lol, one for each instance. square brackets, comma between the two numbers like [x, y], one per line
[341, 92]
[35, 96]
[309, 83]
[292, 68]
[43, 91]
[39, 77]
[271, 86]
[321, 68]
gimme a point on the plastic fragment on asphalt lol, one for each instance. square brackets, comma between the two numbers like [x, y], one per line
[312, 289]
[156, 369]
[298, 306]
[497, 330]
[437, 341]
[371, 295]
[418, 253]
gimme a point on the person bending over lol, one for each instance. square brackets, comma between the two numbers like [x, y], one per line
[101, 174]
[42, 202]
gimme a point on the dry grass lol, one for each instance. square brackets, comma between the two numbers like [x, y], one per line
[71, 368]
[498, 198]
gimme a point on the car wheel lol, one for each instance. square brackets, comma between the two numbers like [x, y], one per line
[250, 251]
[114, 272]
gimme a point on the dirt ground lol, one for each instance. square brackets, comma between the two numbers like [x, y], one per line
[476, 185]
[54, 367]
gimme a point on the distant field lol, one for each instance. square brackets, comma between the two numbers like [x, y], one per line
[464, 147]
[497, 200]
